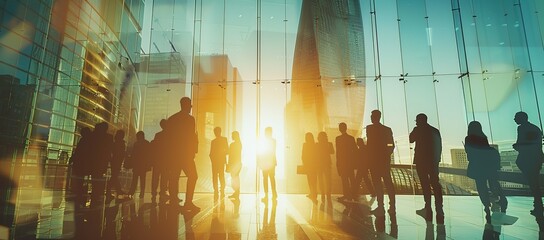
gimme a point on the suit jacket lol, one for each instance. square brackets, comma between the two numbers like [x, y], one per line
[428, 145]
[346, 150]
[182, 138]
[529, 146]
[380, 145]
[219, 150]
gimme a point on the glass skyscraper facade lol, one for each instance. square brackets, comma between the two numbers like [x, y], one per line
[68, 65]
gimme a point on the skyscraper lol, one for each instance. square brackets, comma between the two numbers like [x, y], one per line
[329, 62]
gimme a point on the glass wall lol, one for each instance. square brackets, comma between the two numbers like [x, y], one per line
[456, 61]
[65, 65]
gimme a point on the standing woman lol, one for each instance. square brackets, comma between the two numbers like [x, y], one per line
[140, 163]
[235, 164]
[309, 162]
[484, 161]
[324, 151]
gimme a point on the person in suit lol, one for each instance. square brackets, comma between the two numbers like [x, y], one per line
[530, 157]
[362, 168]
[483, 166]
[427, 155]
[80, 161]
[346, 150]
[160, 161]
[218, 155]
[141, 163]
[183, 145]
[324, 151]
[267, 163]
[118, 156]
[235, 163]
[101, 154]
[380, 144]
[310, 164]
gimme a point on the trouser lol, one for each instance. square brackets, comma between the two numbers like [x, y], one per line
[76, 187]
[114, 180]
[189, 168]
[377, 176]
[348, 183]
[98, 184]
[269, 174]
[312, 182]
[218, 175]
[428, 177]
[324, 179]
[235, 178]
[483, 190]
[159, 178]
[135, 176]
[532, 176]
[363, 175]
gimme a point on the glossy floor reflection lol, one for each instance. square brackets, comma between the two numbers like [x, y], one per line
[293, 216]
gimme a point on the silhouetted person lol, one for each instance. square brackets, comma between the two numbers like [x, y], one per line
[183, 146]
[267, 163]
[310, 164]
[426, 158]
[380, 144]
[141, 162]
[118, 156]
[484, 161]
[235, 163]
[218, 155]
[101, 155]
[346, 149]
[80, 162]
[530, 156]
[160, 162]
[362, 166]
[324, 151]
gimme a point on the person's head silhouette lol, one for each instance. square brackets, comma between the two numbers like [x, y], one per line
[163, 123]
[322, 137]
[185, 104]
[101, 127]
[268, 132]
[119, 135]
[140, 136]
[421, 119]
[236, 136]
[375, 116]
[309, 137]
[217, 131]
[342, 127]
[521, 118]
[360, 142]
[475, 129]
[85, 132]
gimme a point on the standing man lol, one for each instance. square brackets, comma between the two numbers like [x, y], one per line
[235, 163]
[118, 156]
[530, 157]
[267, 163]
[218, 154]
[102, 144]
[380, 144]
[346, 150]
[184, 146]
[160, 161]
[426, 158]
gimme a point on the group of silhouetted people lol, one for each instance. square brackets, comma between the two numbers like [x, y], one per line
[355, 161]
[171, 151]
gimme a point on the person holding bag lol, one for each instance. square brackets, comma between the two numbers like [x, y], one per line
[483, 163]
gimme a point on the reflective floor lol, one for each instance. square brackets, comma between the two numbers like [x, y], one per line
[293, 216]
